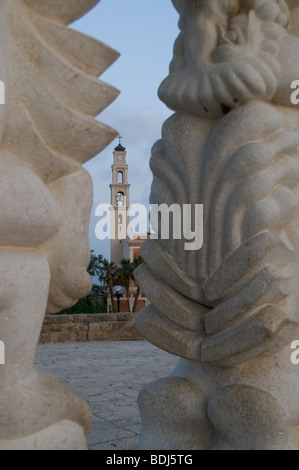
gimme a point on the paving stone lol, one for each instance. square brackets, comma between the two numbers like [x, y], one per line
[109, 376]
[122, 444]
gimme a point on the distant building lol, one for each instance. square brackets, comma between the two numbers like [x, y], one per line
[122, 245]
[120, 202]
[134, 243]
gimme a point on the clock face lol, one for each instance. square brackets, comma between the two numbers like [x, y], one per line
[120, 158]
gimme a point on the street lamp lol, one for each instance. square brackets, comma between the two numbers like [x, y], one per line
[118, 290]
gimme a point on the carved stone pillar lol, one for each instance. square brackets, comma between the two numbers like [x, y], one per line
[47, 130]
[230, 309]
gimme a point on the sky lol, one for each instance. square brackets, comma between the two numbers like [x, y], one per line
[143, 32]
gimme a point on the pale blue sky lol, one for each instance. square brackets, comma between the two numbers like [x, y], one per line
[143, 31]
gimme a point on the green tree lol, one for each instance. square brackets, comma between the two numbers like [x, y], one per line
[86, 305]
[137, 262]
[95, 265]
[125, 272]
[108, 275]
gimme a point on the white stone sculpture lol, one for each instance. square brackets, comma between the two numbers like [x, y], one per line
[47, 130]
[230, 309]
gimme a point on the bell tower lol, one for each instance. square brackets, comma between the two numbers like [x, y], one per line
[120, 202]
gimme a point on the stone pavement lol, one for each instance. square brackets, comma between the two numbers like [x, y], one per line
[108, 375]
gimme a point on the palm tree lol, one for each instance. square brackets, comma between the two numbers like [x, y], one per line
[108, 275]
[125, 272]
[137, 262]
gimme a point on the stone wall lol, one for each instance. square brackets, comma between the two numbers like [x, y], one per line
[82, 327]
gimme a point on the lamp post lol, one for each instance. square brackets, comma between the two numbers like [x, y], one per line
[118, 290]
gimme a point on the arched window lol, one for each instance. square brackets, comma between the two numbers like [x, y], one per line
[120, 219]
[120, 199]
[120, 177]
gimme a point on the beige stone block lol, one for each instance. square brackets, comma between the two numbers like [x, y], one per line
[54, 337]
[224, 295]
[47, 131]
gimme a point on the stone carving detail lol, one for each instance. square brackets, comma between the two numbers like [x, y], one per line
[47, 130]
[229, 310]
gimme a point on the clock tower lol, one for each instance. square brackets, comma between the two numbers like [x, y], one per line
[120, 202]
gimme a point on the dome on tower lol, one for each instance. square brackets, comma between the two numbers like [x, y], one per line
[119, 148]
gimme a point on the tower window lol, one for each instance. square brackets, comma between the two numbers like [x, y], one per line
[120, 199]
[120, 177]
[120, 219]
